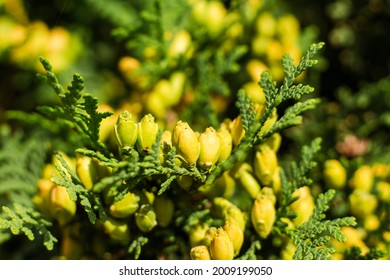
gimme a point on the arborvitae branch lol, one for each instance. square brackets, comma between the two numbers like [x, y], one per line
[274, 96]
[20, 219]
[76, 110]
[89, 200]
[312, 237]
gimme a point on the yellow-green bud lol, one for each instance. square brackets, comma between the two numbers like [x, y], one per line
[209, 236]
[249, 183]
[274, 142]
[197, 234]
[381, 170]
[235, 234]
[263, 215]
[87, 171]
[180, 45]
[354, 238]
[269, 122]
[269, 193]
[147, 132]
[383, 191]
[117, 230]
[177, 80]
[371, 222]
[362, 203]
[126, 130]
[237, 130]
[224, 186]
[164, 208]
[221, 247]
[266, 24]
[363, 178]
[276, 181]
[185, 181]
[165, 142]
[226, 142]
[209, 148]
[225, 209]
[304, 206]
[236, 214]
[265, 164]
[200, 252]
[335, 175]
[255, 93]
[288, 250]
[185, 140]
[62, 207]
[220, 206]
[145, 218]
[125, 207]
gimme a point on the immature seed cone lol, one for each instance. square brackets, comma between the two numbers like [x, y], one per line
[304, 206]
[116, 229]
[363, 178]
[145, 218]
[62, 207]
[181, 45]
[235, 234]
[197, 234]
[164, 208]
[226, 142]
[87, 171]
[221, 247]
[236, 214]
[263, 215]
[210, 148]
[126, 130]
[125, 207]
[185, 140]
[335, 175]
[250, 184]
[200, 252]
[265, 164]
[384, 191]
[237, 131]
[362, 203]
[147, 130]
[209, 236]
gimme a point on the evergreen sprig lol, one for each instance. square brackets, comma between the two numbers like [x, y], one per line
[246, 107]
[297, 177]
[311, 238]
[77, 110]
[20, 219]
[90, 201]
[136, 246]
[21, 163]
[250, 254]
[274, 97]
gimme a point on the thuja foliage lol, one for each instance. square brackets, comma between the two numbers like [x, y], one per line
[21, 163]
[168, 186]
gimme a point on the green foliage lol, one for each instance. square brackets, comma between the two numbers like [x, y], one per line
[355, 253]
[20, 219]
[21, 163]
[90, 201]
[312, 237]
[77, 110]
[250, 254]
[274, 97]
[135, 247]
[297, 176]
